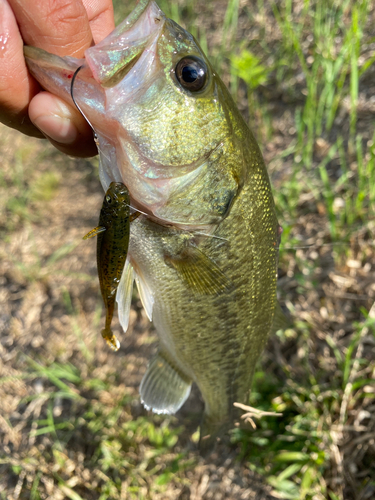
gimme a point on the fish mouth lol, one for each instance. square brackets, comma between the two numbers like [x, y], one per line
[113, 58]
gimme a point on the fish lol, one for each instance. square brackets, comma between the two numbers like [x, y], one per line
[112, 234]
[204, 251]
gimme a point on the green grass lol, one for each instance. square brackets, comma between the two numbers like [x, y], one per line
[121, 448]
[25, 188]
[294, 452]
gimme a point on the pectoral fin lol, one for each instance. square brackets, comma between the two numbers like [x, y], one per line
[163, 389]
[94, 232]
[124, 295]
[201, 275]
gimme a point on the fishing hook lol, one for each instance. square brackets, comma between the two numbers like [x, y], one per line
[78, 107]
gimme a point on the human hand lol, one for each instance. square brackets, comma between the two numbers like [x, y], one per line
[62, 27]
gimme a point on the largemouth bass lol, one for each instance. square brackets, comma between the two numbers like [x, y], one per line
[204, 255]
[112, 248]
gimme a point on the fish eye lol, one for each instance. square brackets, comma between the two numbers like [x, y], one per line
[191, 73]
[108, 199]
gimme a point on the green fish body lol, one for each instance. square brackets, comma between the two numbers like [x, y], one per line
[112, 248]
[213, 338]
[204, 255]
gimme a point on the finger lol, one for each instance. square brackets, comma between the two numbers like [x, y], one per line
[64, 28]
[16, 84]
[58, 26]
[66, 127]
[100, 16]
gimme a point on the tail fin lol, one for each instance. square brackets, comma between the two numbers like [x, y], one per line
[211, 433]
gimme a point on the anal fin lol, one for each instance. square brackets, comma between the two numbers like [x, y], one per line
[163, 389]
